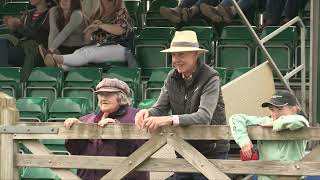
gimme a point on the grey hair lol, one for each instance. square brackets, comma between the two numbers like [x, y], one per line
[123, 99]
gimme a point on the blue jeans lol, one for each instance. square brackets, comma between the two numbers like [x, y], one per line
[198, 176]
[275, 10]
[189, 3]
[243, 4]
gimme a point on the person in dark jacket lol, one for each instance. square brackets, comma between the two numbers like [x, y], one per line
[19, 48]
[114, 108]
[192, 92]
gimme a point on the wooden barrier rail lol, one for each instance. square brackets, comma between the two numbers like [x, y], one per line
[12, 131]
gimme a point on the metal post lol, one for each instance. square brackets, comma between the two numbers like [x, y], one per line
[264, 50]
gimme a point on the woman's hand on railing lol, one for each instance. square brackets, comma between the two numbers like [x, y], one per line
[140, 116]
[71, 121]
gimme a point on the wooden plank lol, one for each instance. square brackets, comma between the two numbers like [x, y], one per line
[8, 147]
[137, 157]
[246, 94]
[39, 149]
[129, 131]
[168, 165]
[195, 158]
[313, 155]
[7, 101]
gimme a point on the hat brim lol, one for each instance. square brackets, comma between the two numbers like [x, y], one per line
[273, 103]
[183, 49]
[109, 89]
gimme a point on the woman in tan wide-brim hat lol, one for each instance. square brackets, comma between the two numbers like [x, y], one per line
[192, 93]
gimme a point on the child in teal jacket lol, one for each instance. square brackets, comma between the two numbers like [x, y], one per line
[284, 109]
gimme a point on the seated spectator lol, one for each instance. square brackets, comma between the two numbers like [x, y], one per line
[284, 109]
[67, 22]
[225, 11]
[108, 36]
[114, 105]
[279, 12]
[185, 10]
[19, 48]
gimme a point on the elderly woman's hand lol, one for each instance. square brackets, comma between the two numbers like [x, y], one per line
[105, 121]
[71, 121]
[140, 116]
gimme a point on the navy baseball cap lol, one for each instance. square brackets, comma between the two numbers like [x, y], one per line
[281, 98]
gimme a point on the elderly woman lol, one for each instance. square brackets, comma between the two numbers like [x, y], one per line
[114, 108]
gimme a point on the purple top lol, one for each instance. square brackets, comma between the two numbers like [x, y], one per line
[106, 147]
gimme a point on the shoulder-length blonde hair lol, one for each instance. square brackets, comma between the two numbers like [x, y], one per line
[107, 12]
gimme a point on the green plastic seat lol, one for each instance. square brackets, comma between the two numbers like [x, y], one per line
[134, 8]
[239, 71]
[56, 146]
[149, 43]
[132, 76]
[222, 74]
[281, 47]
[44, 82]
[153, 17]
[206, 36]
[81, 82]
[10, 81]
[147, 103]
[38, 173]
[33, 109]
[68, 107]
[155, 82]
[235, 48]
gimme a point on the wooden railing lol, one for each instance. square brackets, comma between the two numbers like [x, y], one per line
[12, 131]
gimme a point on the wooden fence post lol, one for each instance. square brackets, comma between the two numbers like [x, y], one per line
[8, 148]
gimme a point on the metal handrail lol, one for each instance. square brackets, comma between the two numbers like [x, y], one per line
[269, 58]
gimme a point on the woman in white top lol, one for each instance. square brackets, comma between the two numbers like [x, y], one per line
[67, 23]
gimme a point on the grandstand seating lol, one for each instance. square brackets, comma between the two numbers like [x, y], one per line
[134, 8]
[132, 76]
[280, 47]
[44, 82]
[155, 82]
[235, 48]
[68, 107]
[206, 36]
[222, 74]
[81, 82]
[239, 71]
[10, 81]
[38, 173]
[146, 103]
[56, 146]
[153, 17]
[33, 109]
[149, 43]
[13, 8]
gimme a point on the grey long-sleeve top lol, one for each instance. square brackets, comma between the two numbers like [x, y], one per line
[71, 35]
